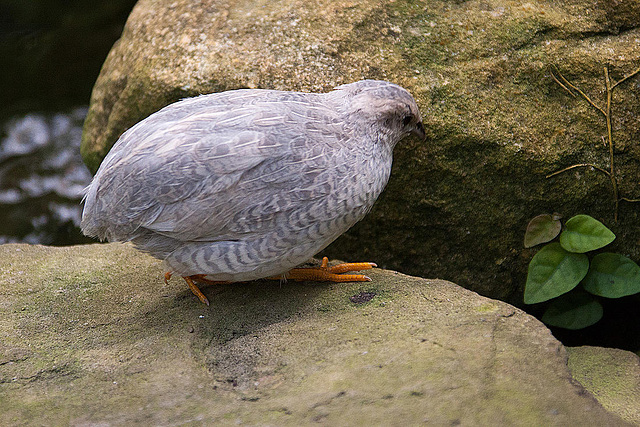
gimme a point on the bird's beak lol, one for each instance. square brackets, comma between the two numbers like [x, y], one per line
[419, 131]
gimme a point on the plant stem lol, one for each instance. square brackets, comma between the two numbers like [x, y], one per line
[627, 77]
[580, 165]
[577, 89]
[612, 174]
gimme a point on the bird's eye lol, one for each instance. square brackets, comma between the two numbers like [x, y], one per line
[407, 119]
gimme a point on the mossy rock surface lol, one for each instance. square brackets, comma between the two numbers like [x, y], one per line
[456, 206]
[91, 335]
[612, 375]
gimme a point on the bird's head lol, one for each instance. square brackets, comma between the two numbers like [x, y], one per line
[385, 108]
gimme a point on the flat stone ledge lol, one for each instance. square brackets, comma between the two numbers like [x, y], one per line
[92, 335]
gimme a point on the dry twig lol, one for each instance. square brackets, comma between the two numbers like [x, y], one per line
[606, 112]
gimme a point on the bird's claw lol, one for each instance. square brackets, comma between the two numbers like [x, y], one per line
[324, 273]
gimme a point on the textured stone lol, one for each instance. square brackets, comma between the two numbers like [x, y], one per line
[612, 375]
[91, 335]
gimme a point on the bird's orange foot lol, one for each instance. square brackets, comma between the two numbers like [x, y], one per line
[194, 288]
[324, 273]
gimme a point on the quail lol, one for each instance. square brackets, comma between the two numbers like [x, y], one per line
[250, 183]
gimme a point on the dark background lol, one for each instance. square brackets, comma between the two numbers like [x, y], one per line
[51, 51]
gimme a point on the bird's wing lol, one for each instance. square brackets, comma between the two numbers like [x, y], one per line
[220, 174]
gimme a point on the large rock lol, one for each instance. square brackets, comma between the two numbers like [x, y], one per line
[457, 206]
[90, 335]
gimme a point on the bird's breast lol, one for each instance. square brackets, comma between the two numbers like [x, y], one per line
[367, 178]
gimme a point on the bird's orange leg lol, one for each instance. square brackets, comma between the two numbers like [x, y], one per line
[324, 273]
[194, 288]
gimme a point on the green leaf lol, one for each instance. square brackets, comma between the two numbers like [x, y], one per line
[575, 310]
[612, 276]
[542, 229]
[552, 272]
[584, 233]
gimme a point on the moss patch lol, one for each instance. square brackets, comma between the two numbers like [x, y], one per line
[610, 375]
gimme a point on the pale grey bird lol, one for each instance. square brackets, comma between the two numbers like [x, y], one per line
[248, 184]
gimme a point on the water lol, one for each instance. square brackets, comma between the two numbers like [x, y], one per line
[42, 178]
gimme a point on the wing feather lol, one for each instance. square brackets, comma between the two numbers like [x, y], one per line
[221, 167]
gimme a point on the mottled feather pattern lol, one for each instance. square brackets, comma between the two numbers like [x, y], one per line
[247, 183]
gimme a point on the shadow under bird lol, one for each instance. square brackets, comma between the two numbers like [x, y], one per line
[250, 183]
